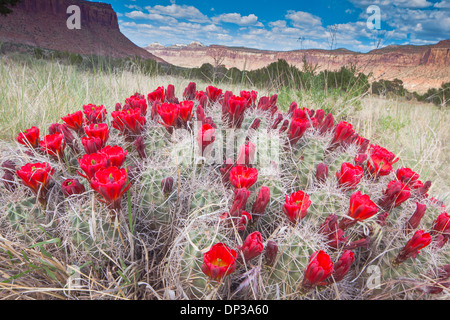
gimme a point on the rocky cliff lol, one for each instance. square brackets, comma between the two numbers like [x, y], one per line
[43, 23]
[419, 67]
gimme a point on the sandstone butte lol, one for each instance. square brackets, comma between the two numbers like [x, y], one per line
[43, 24]
[419, 67]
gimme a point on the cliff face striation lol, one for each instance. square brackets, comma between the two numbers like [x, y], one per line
[419, 67]
[43, 23]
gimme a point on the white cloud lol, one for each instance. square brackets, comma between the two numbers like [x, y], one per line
[150, 16]
[303, 19]
[236, 18]
[186, 12]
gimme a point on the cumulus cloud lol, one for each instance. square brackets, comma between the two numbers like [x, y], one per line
[236, 18]
[186, 12]
[303, 19]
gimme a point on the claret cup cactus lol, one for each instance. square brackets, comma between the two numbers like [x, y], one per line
[236, 198]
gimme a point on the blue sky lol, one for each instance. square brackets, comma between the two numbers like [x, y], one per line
[285, 25]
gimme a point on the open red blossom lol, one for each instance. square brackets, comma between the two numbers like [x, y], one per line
[297, 129]
[420, 240]
[319, 269]
[296, 206]
[395, 194]
[29, 137]
[206, 136]
[185, 111]
[407, 176]
[91, 145]
[37, 176]
[158, 95]
[253, 246]
[128, 121]
[302, 113]
[380, 161]
[75, 121]
[349, 176]
[243, 177]
[251, 97]
[116, 155]
[361, 208]
[111, 183]
[342, 266]
[219, 261]
[91, 163]
[168, 113]
[54, 145]
[234, 110]
[71, 187]
[342, 131]
[213, 93]
[137, 102]
[98, 130]
[94, 114]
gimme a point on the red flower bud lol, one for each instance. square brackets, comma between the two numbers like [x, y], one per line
[200, 114]
[321, 172]
[334, 234]
[342, 131]
[442, 225]
[170, 94]
[91, 145]
[54, 145]
[167, 185]
[297, 129]
[190, 91]
[100, 130]
[261, 202]
[319, 269]
[419, 241]
[240, 200]
[360, 159]
[29, 138]
[255, 124]
[140, 147]
[395, 194]
[54, 128]
[327, 124]
[246, 154]
[243, 221]
[349, 176]
[251, 97]
[271, 252]
[296, 206]
[342, 266]
[252, 246]
[414, 221]
[219, 262]
[71, 187]
[111, 183]
[116, 155]
[206, 136]
[243, 177]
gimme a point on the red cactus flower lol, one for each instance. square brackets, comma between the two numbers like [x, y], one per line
[206, 136]
[139, 144]
[91, 163]
[342, 266]
[342, 131]
[234, 110]
[302, 113]
[36, 176]
[420, 240]
[116, 155]
[111, 183]
[91, 145]
[330, 229]
[189, 92]
[380, 161]
[361, 208]
[442, 224]
[94, 114]
[349, 176]
[98, 130]
[168, 113]
[167, 185]
[170, 94]
[251, 97]
[297, 129]
[319, 269]
[54, 145]
[261, 202]
[296, 206]
[246, 154]
[327, 124]
[75, 121]
[253, 246]
[243, 177]
[219, 262]
[240, 201]
[407, 176]
[29, 137]
[71, 187]
[137, 102]
[54, 128]
[128, 121]
[213, 93]
[395, 194]
[157, 95]
[185, 111]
